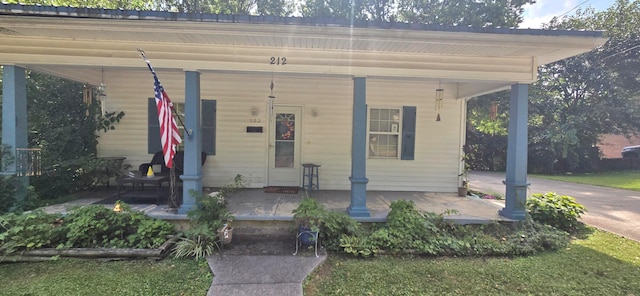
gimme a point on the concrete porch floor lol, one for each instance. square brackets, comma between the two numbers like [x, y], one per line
[256, 205]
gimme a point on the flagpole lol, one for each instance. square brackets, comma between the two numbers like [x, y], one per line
[172, 108]
[160, 95]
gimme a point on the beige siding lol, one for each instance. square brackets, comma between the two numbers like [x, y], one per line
[437, 149]
[326, 137]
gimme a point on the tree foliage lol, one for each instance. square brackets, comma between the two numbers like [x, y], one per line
[497, 13]
[65, 128]
[577, 100]
[477, 13]
[486, 144]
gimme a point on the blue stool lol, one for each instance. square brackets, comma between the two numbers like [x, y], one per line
[310, 178]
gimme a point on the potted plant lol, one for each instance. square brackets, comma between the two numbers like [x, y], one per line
[308, 217]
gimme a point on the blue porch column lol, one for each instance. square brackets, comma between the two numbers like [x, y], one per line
[14, 123]
[192, 178]
[516, 177]
[358, 206]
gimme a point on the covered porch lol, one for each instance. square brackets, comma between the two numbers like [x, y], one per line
[334, 75]
[250, 205]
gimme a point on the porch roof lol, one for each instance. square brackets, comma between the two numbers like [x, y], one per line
[80, 43]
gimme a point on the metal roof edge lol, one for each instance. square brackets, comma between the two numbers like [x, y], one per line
[101, 13]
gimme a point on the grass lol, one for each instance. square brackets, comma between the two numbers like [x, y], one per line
[602, 264]
[88, 277]
[629, 180]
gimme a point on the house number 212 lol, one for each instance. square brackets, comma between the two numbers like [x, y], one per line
[278, 61]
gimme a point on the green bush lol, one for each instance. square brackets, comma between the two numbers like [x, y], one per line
[334, 226]
[7, 193]
[96, 226]
[410, 231]
[209, 215]
[92, 226]
[407, 228]
[210, 210]
[559, 211]
[32, 230]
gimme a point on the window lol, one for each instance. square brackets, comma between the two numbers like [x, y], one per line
[179, 115]
[392, 130]
[384, 133]
[208, 119]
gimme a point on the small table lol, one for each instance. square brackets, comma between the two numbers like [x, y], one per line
[310, 176]
[142, 179]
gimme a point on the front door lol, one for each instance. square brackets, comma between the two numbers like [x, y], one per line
[284, 146]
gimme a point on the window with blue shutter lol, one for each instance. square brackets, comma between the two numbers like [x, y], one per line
[208, 117]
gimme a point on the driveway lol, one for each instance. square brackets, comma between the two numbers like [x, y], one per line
[613, 210]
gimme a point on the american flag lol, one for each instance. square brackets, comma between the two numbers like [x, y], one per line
[169, 133]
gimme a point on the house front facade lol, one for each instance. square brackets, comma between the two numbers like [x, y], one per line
[378, 106]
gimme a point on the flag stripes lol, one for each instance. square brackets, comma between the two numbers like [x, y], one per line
[169, 133]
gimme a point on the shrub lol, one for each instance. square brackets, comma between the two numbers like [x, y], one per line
[409, 230]
[96, 226]
[209, 215]
[30, 231]
[210, 210]
[334, 226]
[7, 193]
[559, 211]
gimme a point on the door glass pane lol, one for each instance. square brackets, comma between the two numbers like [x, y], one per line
[284, 154]
[285, 126]
[285, 140]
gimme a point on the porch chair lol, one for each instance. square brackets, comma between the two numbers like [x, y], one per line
[158, 159]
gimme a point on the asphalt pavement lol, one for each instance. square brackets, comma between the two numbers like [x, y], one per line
[610, 209]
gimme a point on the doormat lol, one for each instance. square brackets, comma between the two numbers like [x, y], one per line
[281, 189]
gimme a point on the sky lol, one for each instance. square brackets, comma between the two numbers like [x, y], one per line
[543, 10]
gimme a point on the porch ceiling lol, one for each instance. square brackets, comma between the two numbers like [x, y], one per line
[78, 48]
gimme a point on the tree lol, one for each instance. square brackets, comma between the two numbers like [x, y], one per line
[112, 4]
[487, 120]
[342, 9]
[275, 7]
[576, 100]
[487, 13]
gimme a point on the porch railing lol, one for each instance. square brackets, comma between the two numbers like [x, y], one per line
[28, 162]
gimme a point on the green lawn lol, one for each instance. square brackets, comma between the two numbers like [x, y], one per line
[604, 264]
[87, 277]
[621, 179]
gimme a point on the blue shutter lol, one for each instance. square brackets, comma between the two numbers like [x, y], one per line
[408, 132]
[209, 127]
[153, 131]
[208, 113]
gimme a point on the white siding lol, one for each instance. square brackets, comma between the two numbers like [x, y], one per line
[326, 137]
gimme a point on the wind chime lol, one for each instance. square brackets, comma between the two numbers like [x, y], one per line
[439, 98]
[493, 111]
[271, 96]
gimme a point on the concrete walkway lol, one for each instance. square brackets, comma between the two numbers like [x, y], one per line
[613, 210]
[237, 275]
